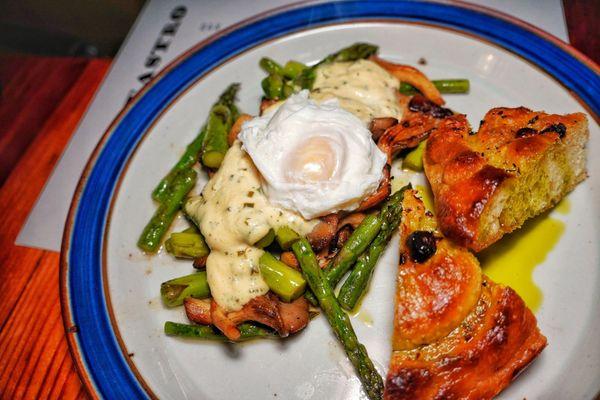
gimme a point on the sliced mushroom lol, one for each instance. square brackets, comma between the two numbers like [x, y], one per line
[289, 259]
[294, 315]
[412, 76]
[382, 192]
[200, 262]
[266, 103]
[323, 232]
[198, 310]
[406, 135]
[268, 310]
[354, 220]
[379, 125]
[237, 127]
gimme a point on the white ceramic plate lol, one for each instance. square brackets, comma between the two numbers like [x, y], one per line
[111, 290]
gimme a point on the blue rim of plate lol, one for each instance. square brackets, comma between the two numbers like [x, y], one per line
[95, 344]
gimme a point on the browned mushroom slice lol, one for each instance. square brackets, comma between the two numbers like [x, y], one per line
[380, 125]
[294, 315]
[237, 127]
[353, 220]
[198, 310]
[200, 262]
[267, 310]
[412, 76]
[266, 103]
[323, 232]
[406, 135]
[289, 259]
[382, 192]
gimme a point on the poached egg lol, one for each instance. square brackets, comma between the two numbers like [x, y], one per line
[315, 159]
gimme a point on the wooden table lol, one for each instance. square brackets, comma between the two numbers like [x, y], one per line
[41, 103]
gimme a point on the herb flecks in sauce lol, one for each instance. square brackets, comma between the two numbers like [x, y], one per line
[362, 87]
[231, 225]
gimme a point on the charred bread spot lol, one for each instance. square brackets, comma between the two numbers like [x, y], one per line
[446, 394]
[525, 132]
[405, 383]
[498, 335]
[559, 128]
[466, 158]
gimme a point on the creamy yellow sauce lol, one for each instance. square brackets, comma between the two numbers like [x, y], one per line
[362, 87]
[233, 214]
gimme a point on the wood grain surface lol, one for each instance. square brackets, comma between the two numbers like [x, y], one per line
[41, 102]
[583, 25]
[34, 357]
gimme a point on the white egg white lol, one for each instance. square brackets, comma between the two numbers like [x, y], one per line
[315, 159]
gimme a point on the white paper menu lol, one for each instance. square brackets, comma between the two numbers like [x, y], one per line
[163, 30]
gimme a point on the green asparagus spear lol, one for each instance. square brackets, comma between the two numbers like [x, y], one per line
[270, 66]
[357, 243]
[285, 237]
[284, 281]
[173, 292]
[220, 119]
[187, 245]
[160, 222]
[227, 98]
[338, 319]
[306, 79]
[287, 90]
[215, 144]
[360, 239]
[282, 82]
[414, 159]
[248, 331]
[443, 85]
[189, 158]
[266, 240]
[292, 69]
[272, 85]
[358, 280]
[357, 51]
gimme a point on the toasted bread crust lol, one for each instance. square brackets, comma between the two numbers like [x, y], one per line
[469, 342]
[477, 360]
[472, 175]
[436, 295]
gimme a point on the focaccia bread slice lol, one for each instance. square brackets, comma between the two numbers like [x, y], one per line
[457, 334]
[518, 165]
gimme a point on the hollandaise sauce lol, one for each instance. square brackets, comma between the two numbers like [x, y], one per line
[233, 214]
[362, 88]
[512, 260]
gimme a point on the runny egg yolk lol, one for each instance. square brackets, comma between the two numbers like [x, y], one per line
[314, 160]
